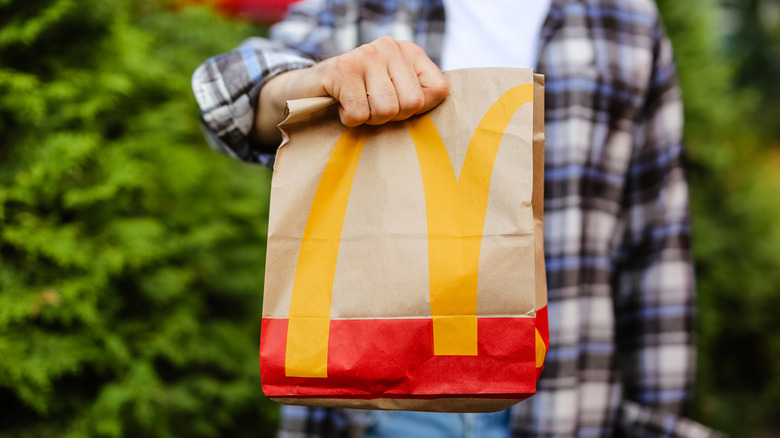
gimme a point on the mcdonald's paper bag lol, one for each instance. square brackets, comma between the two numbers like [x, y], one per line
[405, 267]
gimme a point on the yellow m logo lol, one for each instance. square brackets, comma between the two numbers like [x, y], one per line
[456, 209]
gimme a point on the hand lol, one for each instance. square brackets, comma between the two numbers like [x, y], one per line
[386, 80]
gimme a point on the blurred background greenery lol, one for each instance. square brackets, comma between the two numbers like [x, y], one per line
[131, 255]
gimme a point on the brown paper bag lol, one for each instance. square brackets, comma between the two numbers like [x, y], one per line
[405, 267]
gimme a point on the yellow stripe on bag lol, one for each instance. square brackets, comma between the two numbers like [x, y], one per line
[309, 321]
[456, 210]
[541, 350]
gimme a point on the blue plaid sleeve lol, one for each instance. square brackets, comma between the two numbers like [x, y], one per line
[227, 86]
[655, 299]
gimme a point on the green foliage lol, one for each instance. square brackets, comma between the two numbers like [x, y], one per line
[735, 179]
[754, 45]
[131, 255]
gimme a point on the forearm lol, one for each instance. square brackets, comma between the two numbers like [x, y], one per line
[290, 85]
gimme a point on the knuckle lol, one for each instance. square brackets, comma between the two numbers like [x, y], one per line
[346, 63]
[385, 47]
[355, 116]
[386, 41]
[385, 111]
[440, 89]
[369, 50]
[414, 102]
[410, 47]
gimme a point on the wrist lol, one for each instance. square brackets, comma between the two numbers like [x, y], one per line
[270, 107]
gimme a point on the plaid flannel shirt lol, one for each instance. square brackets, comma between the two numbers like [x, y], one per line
[619, 272]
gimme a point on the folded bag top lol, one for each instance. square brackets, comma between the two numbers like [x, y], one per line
[405, 265]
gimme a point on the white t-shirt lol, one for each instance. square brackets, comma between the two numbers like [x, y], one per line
[492, 33]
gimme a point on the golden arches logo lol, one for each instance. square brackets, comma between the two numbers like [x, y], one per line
[456, 209]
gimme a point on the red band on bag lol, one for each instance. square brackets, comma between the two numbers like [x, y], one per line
[375, 358]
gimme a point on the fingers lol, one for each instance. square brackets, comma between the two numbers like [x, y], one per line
[354, 108]
[411, 98]
[433, 84]
[383, 100]
[386, 80]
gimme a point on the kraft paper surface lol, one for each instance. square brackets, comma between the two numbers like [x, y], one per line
[438, 218]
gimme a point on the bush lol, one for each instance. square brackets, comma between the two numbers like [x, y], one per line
[734, 186]
[131, 255]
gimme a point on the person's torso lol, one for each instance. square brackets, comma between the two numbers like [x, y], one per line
[597, 58]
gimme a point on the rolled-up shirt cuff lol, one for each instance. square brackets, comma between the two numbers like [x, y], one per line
[227, 88]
